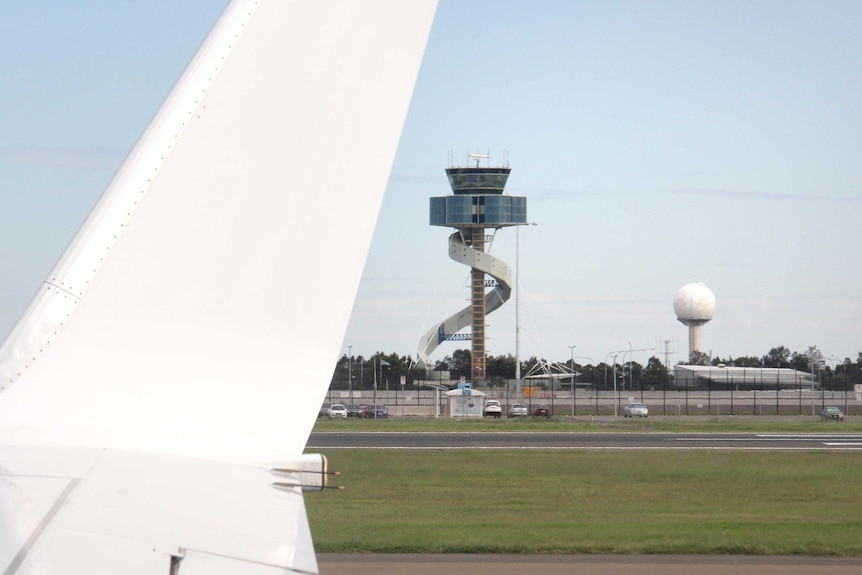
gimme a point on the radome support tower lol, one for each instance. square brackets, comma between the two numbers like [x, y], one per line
[694, 305]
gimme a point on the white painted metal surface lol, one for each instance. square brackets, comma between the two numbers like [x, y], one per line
[266, 164]
[183, 343]
[103, 511]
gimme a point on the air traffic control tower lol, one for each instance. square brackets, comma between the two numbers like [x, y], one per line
[477, 204]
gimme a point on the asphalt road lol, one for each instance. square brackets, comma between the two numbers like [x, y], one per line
[457, 564]
[566, 440]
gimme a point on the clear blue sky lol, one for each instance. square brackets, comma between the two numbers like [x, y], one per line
[658, 143]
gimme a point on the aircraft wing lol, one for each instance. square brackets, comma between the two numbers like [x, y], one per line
[158, 392]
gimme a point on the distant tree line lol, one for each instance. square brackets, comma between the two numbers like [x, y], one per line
[385, 370]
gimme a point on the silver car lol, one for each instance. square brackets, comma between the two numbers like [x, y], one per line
[518, 410]
[832, 413]
[636, 410]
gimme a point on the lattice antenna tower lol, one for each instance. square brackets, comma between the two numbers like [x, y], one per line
[668, 348]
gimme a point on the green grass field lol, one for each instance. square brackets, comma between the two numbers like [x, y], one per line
[723, 424]
[516, 501]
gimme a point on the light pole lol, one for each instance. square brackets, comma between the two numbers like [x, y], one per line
[374, 361]
[575, 375]
[517, 300]
[610, 353]
[350, 372]
[616, 393]
[606, 367]
[631, 378]
[831, 359]
[629, 352]
[572, 347]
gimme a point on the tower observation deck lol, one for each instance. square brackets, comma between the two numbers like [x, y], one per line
[477, 204]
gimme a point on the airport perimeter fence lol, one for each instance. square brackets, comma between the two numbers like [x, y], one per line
[586, 402]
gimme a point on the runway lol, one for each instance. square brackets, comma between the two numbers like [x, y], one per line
[572, 440]
[462, 564]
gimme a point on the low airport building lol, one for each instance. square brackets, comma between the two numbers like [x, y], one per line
[717, 378]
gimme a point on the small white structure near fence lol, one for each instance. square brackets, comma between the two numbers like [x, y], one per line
[465, 402]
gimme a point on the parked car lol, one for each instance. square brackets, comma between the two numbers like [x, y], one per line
[354, 410]
[518, 410]
[375, 412]
[636, 410]
[492, 409]
[542, 410]
[832, 413]
[337, 411]
[324, 409]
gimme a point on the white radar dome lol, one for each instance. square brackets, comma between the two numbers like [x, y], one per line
[694, 302]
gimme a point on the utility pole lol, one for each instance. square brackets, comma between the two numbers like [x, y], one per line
[572, 347]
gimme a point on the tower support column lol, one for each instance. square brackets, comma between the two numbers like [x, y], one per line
[477, 305]
[693, 341]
